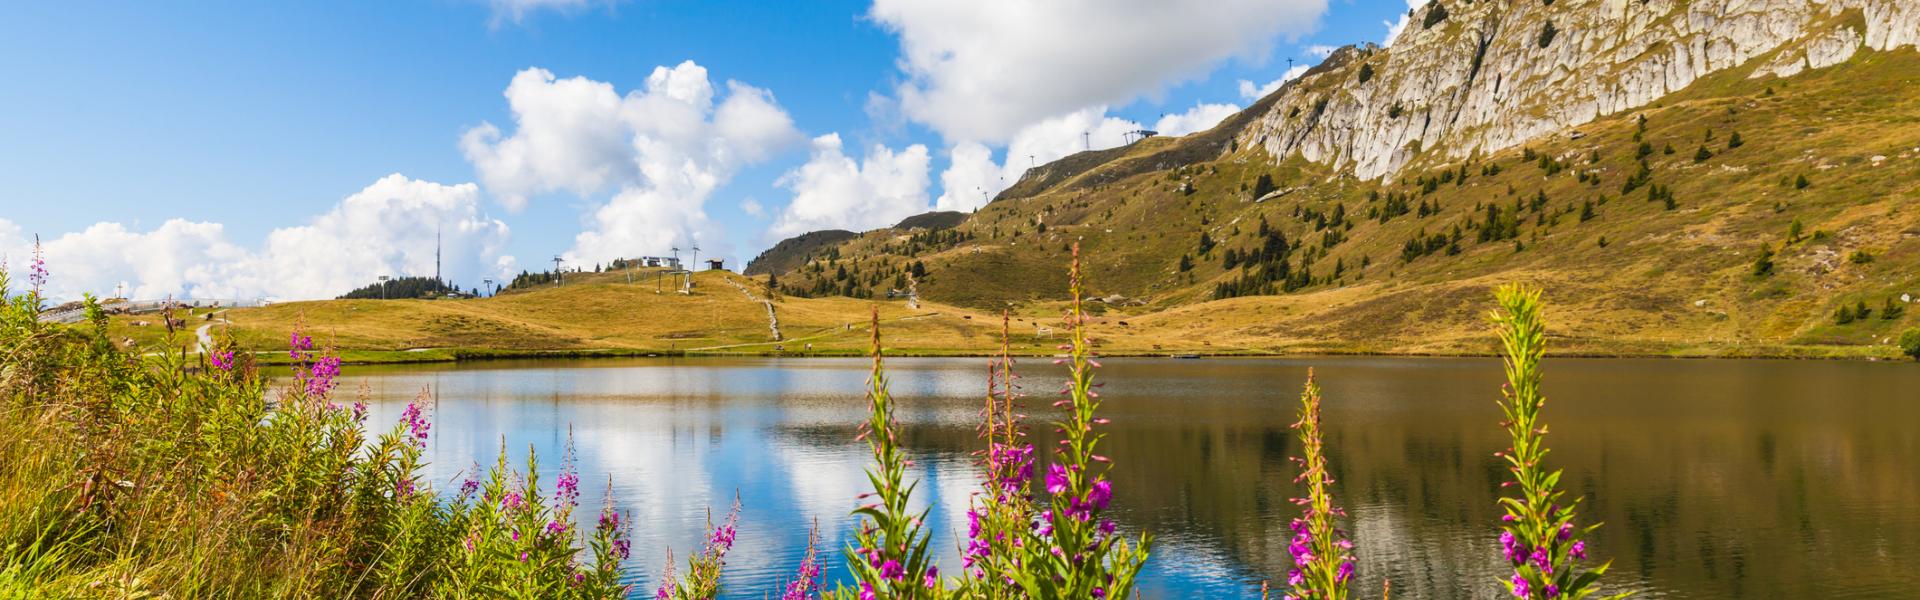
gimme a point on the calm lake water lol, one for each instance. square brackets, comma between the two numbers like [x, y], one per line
[1716, 479]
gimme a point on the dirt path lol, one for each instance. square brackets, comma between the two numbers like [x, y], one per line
[205, 332]
[773, 320]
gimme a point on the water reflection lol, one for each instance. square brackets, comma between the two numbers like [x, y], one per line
[1717, 479]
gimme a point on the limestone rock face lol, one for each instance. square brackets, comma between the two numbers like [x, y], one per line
[1490, 76]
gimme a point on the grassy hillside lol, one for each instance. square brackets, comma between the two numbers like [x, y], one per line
[1627, 271]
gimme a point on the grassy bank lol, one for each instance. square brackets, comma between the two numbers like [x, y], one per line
[600, 315]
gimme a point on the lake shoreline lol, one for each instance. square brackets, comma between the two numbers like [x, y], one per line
[467, 355]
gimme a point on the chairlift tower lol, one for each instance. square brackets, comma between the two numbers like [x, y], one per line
[692, 265]
[558, 275]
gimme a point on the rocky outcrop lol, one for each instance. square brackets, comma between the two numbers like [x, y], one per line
[1490, 76]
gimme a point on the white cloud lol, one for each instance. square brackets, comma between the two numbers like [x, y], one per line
[385, 229]
[661, 151]
[1249, 91]
[753, 208]
[516, 11]
[981, 70]
[1199, 118]
[1321, 50]
[1395, 27]
[972, 173]
[831, 191]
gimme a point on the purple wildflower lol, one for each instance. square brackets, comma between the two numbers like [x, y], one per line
[417, 425]
[297, 344]
[37, 270]
[1520, 589]
[221, 359]
[1056, 478]
[320, 376]
[1101, 493]
[568, 487]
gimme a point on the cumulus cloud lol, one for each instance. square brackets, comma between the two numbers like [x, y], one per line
[1321, 50]
[1199, 118]
[1249, 91]
[972, 175]
[660, 151]
[982, 70]
[386, 229]
[832, 191]
[753, 208]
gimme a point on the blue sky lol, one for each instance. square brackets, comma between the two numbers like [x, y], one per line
[239, 148]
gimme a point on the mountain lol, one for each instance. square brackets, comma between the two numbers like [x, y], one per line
[792, 252]
[1706, 176]
[939, 219]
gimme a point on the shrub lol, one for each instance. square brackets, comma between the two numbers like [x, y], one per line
[1366, 72]
[1892, 309]
[1843, 315]
[1547, 34]
[1763, 264]
[1859, 257]
[1434, 16]
[1800, 182]
[1703, 155]
[1910, 343]
[1735, 142]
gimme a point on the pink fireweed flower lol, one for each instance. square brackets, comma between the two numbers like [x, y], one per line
[297, 344]
[1101, 493]
[1536, 526]
[320, 376]
[1319, 549]
[221, 359]
[567, 488]
[1056, 478]
[417, 425]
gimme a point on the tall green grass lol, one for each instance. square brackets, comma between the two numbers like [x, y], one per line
[192, 476]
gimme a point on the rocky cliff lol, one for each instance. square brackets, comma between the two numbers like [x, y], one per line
[1468, 78]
